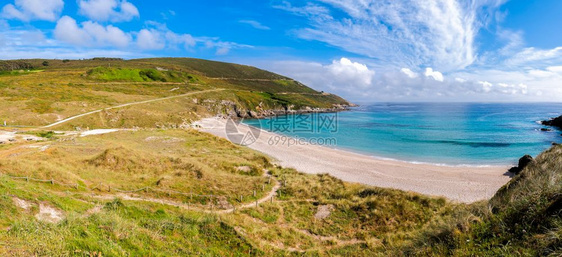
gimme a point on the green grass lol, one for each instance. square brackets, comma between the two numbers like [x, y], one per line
[119, 228]
[138, 75]
[522, 219]
[67, 88]
[162, 152]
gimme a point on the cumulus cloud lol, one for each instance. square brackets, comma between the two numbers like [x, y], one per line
[343, 76]
[255, 24]
[108, 10]
[430, 73]
[409, 73]
[27, 10]
[157, 37]
[29, 44]
[67, 30]
[346, 72]
[90, 34]
[396, 85]
[150, 40]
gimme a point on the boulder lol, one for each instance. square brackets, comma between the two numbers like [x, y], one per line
[546, 129]
[523, 162]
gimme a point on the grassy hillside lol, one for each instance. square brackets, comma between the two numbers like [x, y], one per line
[40, 92]
[312, 214]
[156, 187]
[524, 218]
[96, 217]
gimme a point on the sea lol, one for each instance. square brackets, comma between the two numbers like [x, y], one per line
[451, 134]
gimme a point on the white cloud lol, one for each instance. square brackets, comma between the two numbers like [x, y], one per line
[556, 69]
[486, 86]
[222, 48]
[27, 10]
[255, 24]
[67, 30]
[436, 75]
[90, 34]
[396, 85]
[109, 35]
[167, 15]
[222, 51]
[409, 33]
[409, 73]
[29, 44]
[108, 10]
[158, 37]
[346, 72]
[150, 40]
[186, 40]
[531, 55]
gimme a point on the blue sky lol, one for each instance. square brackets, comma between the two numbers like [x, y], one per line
[364, 50]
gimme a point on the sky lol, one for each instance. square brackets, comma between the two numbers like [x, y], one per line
[363, 50]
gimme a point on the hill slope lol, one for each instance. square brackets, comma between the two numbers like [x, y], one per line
[524, 218]
[154, 186]
[39, 92]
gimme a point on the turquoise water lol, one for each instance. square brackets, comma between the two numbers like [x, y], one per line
[439, 133]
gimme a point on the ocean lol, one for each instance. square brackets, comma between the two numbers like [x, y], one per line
[474, 134]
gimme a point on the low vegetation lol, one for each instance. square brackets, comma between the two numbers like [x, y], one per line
[157, 187]
[33, 97]
[138, 75]
[522, 219]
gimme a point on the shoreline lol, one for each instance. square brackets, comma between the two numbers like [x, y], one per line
[370, 155]
[457, 183]
[418, 162]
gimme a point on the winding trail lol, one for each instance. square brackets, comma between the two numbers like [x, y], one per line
[129, 104]
[128, 197]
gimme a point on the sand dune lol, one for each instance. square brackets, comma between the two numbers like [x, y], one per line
[462, 184]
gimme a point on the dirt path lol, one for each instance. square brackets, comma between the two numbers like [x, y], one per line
[129, 197]
[128, 104]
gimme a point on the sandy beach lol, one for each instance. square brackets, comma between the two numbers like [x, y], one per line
[457, 183]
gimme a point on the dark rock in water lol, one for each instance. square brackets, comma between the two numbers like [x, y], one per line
[555, 122]
[523, 162]
[554, 143]
[546, 129]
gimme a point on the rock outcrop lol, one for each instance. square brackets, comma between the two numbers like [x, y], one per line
[554, 122]
[523, 162]
[234, 110]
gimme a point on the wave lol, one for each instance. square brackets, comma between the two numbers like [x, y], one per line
[474, 144]
[355, 151]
